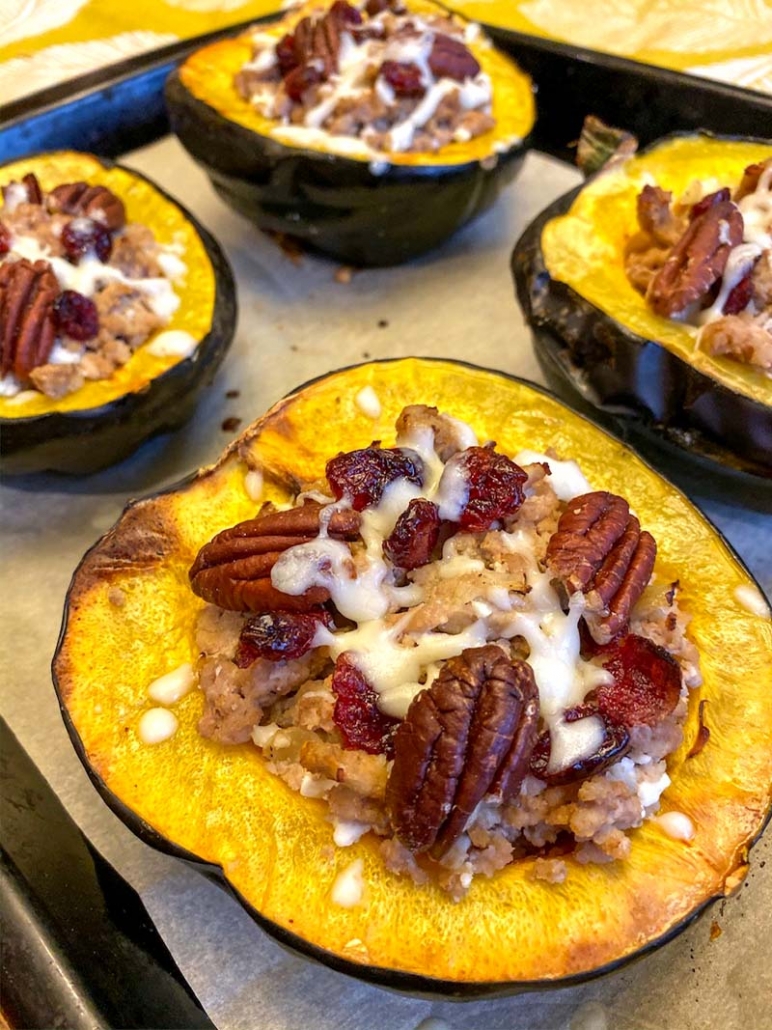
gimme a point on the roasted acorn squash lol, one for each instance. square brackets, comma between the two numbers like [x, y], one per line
[129, 618]
[376, 210]
[593, 330]
[105, 420]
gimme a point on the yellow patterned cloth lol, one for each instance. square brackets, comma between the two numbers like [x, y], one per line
[43, 42]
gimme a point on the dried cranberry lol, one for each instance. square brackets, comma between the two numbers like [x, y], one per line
[616, 741]
[450, 59]
[345, 14]
[5, 239]
[362, 724]
[414, 536]
[589, 647]
[278, 636]
[707, 202]
[34, 192]
[646, 683]
[404, 79]
[301, 79]
[739, 296]
[76, 316]
[375, 7]
[84, 236]
[494, 483]
[285, 54]
[362, 476]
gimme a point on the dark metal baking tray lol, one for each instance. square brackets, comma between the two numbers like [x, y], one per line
[79, 949]
[116, 109]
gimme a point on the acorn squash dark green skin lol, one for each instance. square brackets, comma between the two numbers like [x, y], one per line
[336, 205]
[98, 563]
[656, 396]
[84, 441]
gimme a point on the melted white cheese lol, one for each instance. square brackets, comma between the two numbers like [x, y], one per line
[171, 344]
[752, 600]
[566, 478]
[157, 725]
[168, 689]
[348, 832]
[15, 194]
[368, 403]
[676, 825]
[348, 889]
[253, 484]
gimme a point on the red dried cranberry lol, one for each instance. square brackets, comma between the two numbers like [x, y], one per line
[76, 316]
[495, 486]
[707, 202]
[34, 192]
[414, 536]
[375, 7]
[450, 59]
[739, 296]
[646, 683]
[345, 14]
[589, 647]
[616, 742]
[404, 79]
[362, 724]
[278, 636]
[362, 476]
[301, 79]
[285, 54]
[84, 236]
[5, 239]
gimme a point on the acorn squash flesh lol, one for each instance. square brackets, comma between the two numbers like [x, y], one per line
[220, 806]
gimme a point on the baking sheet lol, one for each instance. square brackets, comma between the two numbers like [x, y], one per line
[298, 321]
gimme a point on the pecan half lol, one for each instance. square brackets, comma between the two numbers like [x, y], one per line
[97, 202]
[449, 58]
[470, 734]
[656, 217]
[750, 180]
[697, 261]
[234, 569]
[318, 39]
[598, 548]
[27, 322]
[32, 186]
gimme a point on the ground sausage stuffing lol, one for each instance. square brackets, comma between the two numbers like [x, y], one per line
[477, 587]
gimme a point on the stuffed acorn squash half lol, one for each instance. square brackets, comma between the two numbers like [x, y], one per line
[116, 308]
[369, 131]
[649, 290]
[443, 714]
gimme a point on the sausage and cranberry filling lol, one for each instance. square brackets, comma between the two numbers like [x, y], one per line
[467, 654]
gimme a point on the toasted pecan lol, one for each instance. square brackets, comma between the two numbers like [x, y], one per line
[697, 260]
[28, 292]
[599, 549]
[471, 733]
[234, 569]
[97, 202]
